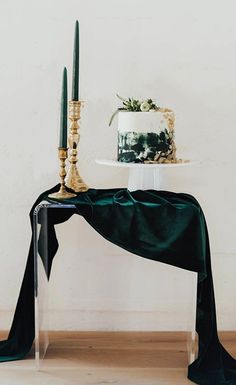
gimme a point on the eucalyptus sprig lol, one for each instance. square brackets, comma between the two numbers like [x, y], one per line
[135, 105]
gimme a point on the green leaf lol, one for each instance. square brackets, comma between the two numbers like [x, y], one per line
[120, 97]
[113, 116]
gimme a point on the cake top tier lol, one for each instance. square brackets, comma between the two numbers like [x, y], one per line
[151, 121]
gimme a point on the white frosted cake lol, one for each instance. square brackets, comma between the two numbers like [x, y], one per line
[146, 137]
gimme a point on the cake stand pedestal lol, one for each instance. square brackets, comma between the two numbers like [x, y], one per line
[145, 176]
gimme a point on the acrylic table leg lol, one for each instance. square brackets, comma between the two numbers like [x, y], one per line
[41, 284]
[191, 339]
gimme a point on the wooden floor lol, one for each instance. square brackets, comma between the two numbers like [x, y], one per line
[122, 358]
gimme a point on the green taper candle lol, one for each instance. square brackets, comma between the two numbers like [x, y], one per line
[75, 76]
[63, 120]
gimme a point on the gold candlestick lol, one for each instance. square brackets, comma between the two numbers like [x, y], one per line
[73, 178]
[62, 193]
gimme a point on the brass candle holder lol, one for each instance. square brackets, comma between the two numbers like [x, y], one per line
[73, 178]
[62, 193]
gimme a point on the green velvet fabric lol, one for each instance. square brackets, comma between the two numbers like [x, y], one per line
[158, 225]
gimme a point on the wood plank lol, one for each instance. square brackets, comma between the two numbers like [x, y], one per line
[95, 358]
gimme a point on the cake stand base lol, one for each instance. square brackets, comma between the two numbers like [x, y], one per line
[145, 176]
[145, 179]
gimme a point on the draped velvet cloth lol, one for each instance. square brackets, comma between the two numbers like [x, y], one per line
[159, 225]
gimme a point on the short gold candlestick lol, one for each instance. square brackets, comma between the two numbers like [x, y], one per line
[62, 193]
[73, 178]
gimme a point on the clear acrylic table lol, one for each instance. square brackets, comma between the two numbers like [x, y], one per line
[42, 284]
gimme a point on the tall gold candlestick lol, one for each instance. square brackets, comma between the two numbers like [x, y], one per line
[73, 178]
[62, 193]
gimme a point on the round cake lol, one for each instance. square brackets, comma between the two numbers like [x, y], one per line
[146, 137]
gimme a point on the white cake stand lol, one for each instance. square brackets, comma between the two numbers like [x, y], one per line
[145, 176]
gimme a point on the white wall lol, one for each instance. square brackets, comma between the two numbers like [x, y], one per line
[180, 52]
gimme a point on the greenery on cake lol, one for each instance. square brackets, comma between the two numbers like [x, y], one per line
[135, 105]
